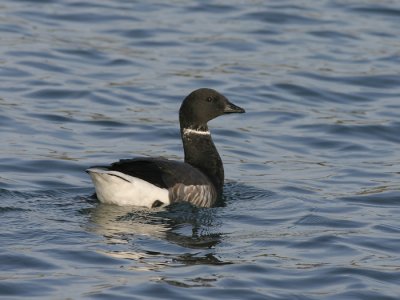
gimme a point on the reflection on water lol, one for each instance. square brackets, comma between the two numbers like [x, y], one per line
[180, 224]
[115, 222]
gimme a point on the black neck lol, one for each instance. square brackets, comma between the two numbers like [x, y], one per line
[201, 153]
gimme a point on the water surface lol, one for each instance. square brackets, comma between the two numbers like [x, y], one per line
[311, 200]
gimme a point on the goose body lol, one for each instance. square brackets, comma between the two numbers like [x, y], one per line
[154, 182]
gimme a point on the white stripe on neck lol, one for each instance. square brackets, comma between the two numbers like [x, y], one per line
[194, 131]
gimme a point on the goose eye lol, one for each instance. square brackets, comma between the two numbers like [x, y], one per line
[210, 99]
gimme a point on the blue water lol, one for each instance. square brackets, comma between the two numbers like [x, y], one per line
[312, 195]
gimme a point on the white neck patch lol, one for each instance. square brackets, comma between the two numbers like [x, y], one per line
[194, 131]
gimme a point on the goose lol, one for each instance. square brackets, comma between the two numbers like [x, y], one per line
[156, 181]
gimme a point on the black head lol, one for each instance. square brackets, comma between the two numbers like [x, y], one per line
[203, 105]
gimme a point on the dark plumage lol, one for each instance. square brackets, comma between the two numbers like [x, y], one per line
[199, 180]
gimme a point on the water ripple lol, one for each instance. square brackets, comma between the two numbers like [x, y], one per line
[310, 204]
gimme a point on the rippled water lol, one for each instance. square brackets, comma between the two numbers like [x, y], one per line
[312, 198]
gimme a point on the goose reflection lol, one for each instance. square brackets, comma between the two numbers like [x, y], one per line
[180, 225]
[117, 223]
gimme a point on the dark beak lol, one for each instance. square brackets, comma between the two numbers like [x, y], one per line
[232, 108]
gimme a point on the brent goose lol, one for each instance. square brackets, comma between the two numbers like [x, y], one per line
[154, 182]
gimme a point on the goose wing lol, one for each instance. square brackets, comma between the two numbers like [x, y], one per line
[161, 172]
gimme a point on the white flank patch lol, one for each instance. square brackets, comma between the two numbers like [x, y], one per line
[114, 187]
[194, 131]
